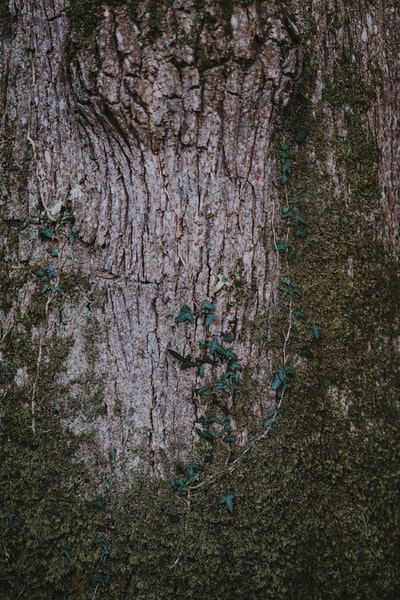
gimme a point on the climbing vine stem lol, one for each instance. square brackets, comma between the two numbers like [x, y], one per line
[215, 428]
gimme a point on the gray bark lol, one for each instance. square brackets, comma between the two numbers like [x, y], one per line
[162, 152]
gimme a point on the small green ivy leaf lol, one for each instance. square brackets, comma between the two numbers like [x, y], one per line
[284, 150]
[227, 336]
[206, 306]
[315, 330]
[99, 502]
[201, 390]
[11, 517]
[249, 562]
[65, 553]
[230, 439]
[53, 252]
[300, 233]
[288, 370]
[47, 233]
[300, 219]
[230, 354]
[301, 135]
[227, 425]
[278, 380]
[185, 315]
[51, 272]
[209, 319]
[286, 212]
[281, 246]
[305, 352]
[67, 217]
[192, 479]
[105, 551]
[100, 540]
[199, 466]
[286, 165]
[224, 384]
[113, 453]
[228, 501]
[235, 366]
[41, 273]
[214, 419]
[216, 348]
[207, 434]
[299, 314]
[51, 288]
[177, 484]
[269, 422]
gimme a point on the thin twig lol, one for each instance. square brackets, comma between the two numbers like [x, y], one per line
[38, 363]
[95, 591]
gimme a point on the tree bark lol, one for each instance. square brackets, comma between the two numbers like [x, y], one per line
[160, 147]
[141, 173]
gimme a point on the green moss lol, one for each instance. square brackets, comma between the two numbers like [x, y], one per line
[48, 527]
[85, 19]
[339, 432]
[151, 15]
[41, 512]
[5, 18]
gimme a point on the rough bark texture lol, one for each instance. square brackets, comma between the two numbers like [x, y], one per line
[155, 133]
[140, 164]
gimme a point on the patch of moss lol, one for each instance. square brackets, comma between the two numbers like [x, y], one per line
[346, 87]
[338, 433]
[48, 526]
[5, 18]
[85, 19]
[45, 518]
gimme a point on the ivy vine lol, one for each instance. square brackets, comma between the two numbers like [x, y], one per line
[215, 427]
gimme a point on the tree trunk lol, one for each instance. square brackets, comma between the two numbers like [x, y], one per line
[160, 155]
